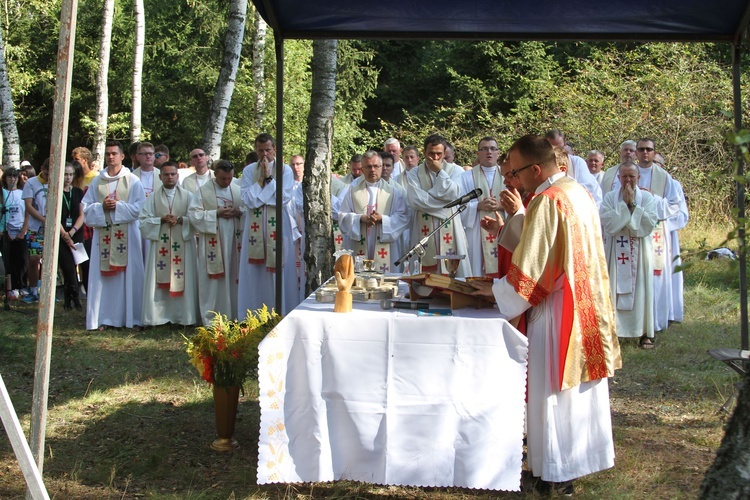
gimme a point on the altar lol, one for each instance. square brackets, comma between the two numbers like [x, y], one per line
[392, 397]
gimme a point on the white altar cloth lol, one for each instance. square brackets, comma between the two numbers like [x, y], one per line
[387, 397]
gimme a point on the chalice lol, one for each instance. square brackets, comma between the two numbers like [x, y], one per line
[451, 263]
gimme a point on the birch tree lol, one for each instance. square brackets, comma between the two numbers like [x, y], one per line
[102, 89]
[259, 49]
[217, 114]
[316, 183]
[11, 149]
[140, 40]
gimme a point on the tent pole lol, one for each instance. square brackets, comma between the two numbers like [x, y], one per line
[736, 55]
[280, 171]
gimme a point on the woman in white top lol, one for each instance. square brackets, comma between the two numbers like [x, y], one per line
[12, 213]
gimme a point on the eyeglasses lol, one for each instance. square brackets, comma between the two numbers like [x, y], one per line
[198, 155]
[487, 149]
[158, 155]
[515, 173]
[643, 150]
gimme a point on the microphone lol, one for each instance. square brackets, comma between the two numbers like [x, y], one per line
[471, 195]
[402, 304]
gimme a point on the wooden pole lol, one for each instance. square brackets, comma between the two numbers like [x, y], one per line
[280, 181]
[58, 146]
[740, 186]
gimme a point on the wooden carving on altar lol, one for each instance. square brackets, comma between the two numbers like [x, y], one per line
[344, 273]
[459, 293]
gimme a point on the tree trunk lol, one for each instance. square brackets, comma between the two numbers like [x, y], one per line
[217, 115]
[102, 89]
[259, 49]
[728, 476]
[140, 40]
[11, 149]
[316, 183]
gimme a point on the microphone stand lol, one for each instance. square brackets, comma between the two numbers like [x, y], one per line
[419, 248]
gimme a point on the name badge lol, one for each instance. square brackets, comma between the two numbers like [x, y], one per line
[68, 222]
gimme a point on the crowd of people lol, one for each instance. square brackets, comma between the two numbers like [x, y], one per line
[579, 255]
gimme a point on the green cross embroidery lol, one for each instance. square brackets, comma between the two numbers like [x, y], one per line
[175, 246]
[164, 237]
[448, 225]
[272, 222]
[257, 212]
[425, 216]
[237, 233]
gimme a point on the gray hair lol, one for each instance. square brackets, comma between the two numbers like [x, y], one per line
[631, 143]
[392, 140]
[595, 152]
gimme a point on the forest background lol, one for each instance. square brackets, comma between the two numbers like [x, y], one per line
[599, 94]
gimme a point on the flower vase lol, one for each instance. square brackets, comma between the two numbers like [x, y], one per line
[225, 410]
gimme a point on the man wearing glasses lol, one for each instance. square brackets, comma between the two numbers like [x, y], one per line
[199, 160]
[486, 176]
[559, 274]
[577, 168]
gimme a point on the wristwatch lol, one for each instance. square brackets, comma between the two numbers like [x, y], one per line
[268, 179]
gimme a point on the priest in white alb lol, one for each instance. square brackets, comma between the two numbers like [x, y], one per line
[259, 241]
[482, 244]
[373, 215]
[170, 288]
[111, 207]
[431, 186]
[215, 212]
[628, 217]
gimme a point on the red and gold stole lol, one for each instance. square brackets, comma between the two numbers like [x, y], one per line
[360, 198]
[444, 241]
[214, 251]
[561, 240]
[113, 238]
[170, 257]
[489, 246]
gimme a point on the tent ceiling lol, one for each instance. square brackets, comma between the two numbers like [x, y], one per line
[675, 20]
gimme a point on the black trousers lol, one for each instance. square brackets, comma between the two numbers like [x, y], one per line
[68, 268]
[16, 260]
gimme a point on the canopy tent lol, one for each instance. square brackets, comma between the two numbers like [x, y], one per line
[576, 20]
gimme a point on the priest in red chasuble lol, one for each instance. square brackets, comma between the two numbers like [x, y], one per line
[558, 278]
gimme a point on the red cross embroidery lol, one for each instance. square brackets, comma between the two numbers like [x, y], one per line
[177, 260]
[106, 240]
[119, 234]
[339, 239]
[448, 238]
[382, 252]
[273, 236]
[657, 237]
[163, 251]
[255, 227]
[212, 242]
[622, 258]
[425, 230]
[490, 237]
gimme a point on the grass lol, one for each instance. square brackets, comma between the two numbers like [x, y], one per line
[129, 418]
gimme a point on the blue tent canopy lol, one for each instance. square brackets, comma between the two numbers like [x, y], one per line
[667, 20]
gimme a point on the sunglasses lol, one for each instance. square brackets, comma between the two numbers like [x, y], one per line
[642, 150]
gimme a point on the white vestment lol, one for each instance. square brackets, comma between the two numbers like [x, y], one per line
[445, 188]
[579, 170]
[670, 206]
[115, 300]
[628, 235]
[677, 222]
[298, 209]
[159, 307]
[150, 182]
[257, 284]
[219, 294]
[389, 231]
[471, 217]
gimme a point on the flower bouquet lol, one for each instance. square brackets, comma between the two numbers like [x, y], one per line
[225, 351]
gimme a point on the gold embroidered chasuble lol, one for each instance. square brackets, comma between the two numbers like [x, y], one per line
[170, 257]
[569, 248]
